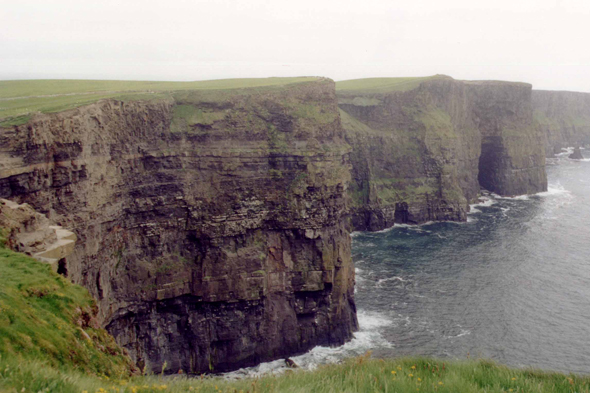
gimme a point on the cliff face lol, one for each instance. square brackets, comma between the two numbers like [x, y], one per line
[512, 158]
[211, 226]
[564, 118]
[420, 153]
[412, 154]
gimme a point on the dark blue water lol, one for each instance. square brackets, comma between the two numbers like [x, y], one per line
[512, 284]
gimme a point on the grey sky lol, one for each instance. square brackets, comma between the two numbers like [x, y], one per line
[543, 42]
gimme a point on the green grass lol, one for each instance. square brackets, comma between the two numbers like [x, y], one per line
[45, 318]
[383, 85]
[21, 88]
[356, 375]
[19, 98]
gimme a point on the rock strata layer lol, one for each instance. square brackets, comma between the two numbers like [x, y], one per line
[422, 153]
[212, 226]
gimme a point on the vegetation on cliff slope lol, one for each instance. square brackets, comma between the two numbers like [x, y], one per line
[18, 99]
[44, 318]
[47, 345]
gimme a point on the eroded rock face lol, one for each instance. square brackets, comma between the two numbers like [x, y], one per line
[564, 118]
[512, 158]
[412, 154]
[212, 227]
[421, 155]
[27, 231]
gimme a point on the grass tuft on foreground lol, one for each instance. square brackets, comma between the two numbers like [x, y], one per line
[47, 344]
[354, 375]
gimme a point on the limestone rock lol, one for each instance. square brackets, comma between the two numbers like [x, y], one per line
[34, 234]
[421, 154]
[212, 226]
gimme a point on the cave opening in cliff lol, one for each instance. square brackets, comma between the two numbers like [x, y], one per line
[489, 161]
[62, 267]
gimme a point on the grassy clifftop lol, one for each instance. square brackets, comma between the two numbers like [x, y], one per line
[21, 97]
[383, 85]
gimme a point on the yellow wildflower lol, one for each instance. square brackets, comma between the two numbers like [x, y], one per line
[419, 379]
[514, 379]
[413, 367]
[393, 372]
[440, 383]
[399, 367]
[410, 375]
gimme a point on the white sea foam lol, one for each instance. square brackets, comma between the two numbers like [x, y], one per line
[463, 332]
[515, 198]
[554, 189]
[484, 202]
[367, 338]
[568, 151]
[389, 229]
[384, 280]
[355, 234]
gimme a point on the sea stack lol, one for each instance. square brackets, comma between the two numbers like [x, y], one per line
[577, 154]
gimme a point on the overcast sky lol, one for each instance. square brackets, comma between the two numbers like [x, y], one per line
[544, 42]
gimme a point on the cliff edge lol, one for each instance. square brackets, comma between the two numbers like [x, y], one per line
[210, 223]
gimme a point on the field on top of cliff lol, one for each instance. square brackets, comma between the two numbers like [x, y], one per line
[19, 98]
[383, 85]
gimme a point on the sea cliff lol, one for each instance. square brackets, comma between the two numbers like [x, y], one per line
[213, 220]
[210, 224]
[423, 147]
[564, 118]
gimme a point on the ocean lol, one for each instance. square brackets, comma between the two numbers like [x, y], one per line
[512, 284]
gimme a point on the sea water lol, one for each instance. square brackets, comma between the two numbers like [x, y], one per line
[511, 284]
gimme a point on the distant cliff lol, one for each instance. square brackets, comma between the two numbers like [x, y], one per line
[422, 147]
[564, 118]
[211, 224]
